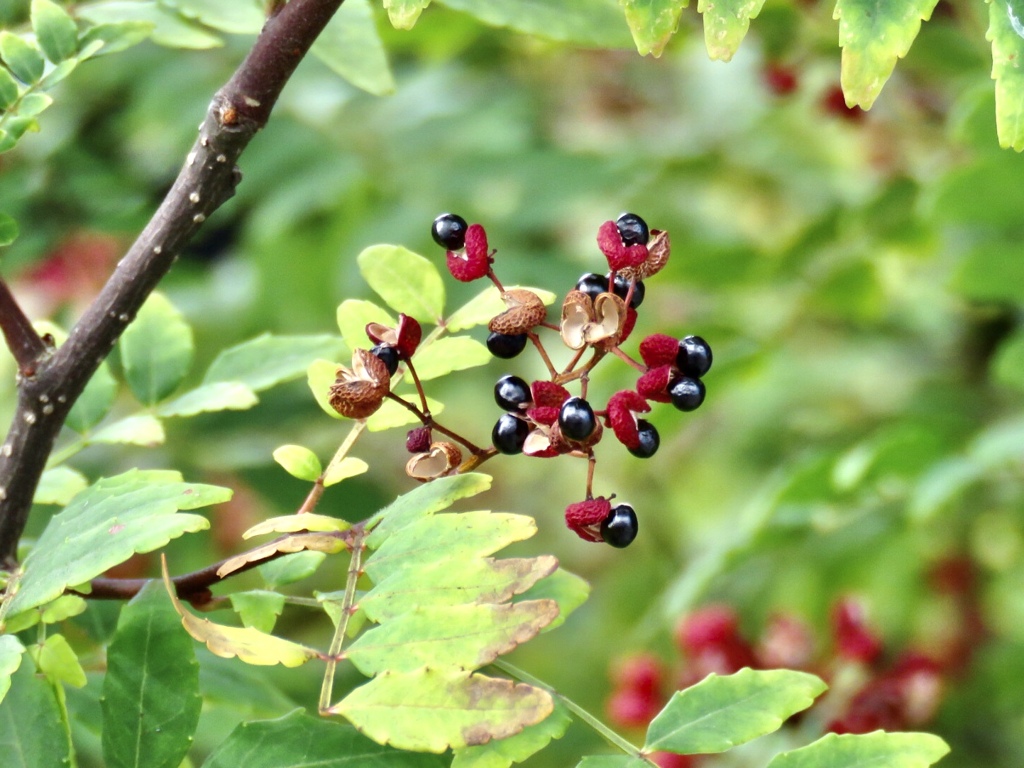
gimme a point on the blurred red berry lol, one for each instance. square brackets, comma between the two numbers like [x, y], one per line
[853, 638]
[787, 643]
[779, 79]
[632, 709]
[672, 760]
[833, 102]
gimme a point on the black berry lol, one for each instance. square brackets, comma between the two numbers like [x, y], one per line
[687, 394]
[694, 357]
[592, 284]
[649, 440]
[509, 434]
[505, 345]
[510, 392]
[449, 231]
[622, 288]
[632, 229]
[576, 419]
[620, 527]
[388, 355]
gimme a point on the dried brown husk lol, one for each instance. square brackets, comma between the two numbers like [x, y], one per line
[525, 312]
[438, 461]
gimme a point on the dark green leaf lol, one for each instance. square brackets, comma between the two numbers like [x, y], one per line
[21, 56]
[891, 750]
[268, 360]
[55, 30]
[156, 350]
[992, 272]
[351, 46]
[32, 729]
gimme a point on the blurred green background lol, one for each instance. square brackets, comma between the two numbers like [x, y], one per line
[858, 275]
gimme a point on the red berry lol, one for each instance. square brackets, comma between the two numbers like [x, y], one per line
[780, 79]
[854, 640]
[833, 101]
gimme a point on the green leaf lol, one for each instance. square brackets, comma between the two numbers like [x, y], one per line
[33, 733]
[719, 713]
[353, 317]
[306, 521]
[653, 22]
[873, 35]
[240, 17]
[455, 582]
[8, 229]
[150, 699]
[320, 375]
[405, 280]
[891, 750]
[992, 272]
[485, 305]
[141, 429]
[9, 90]
[469, 534]
[291, 568]
[1006, 33]
[403, 13]
[300, 741]
[59, 486]
[391, 414]
[58, 73]
[612, 761]
[348, 467]
[267, 361]
[258, 608]
[117, 36]
[55, 31]
[58, 662]
[1008, 366]
[726, 24]
[451, 353]
[567, 589]
[431, 710]
[22, 57]
[95, 401]
[11, 652]
[207, 398]
[351, 46]
[33, 104]
[515, 749]
[596, 23]
[422, 501]
[64, 607]
[464, 636]
[107, 523]
[156, 350]
[298, 461]
[169, 28]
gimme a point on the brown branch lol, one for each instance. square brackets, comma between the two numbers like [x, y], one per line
[207, 180]
[23, 341]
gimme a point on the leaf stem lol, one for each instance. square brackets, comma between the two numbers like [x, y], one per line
[543, 353]
[339, 456]
[348, 602]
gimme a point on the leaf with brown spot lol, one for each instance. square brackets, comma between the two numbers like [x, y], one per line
[327, 542]
[295, 523]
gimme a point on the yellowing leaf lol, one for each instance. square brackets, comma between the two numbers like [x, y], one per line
[725, 24]
[295, 523]
[653, 22]
[317, 542]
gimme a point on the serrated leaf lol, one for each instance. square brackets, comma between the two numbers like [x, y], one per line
[595, 23]
[105, 524]
[58, 662]
[348, 467]
[451, 353]
[299, 542]
[353, 316]
[22, 57]
[239, 17]
[33, 732]
[295, 523]
[208, 398]
[258, 608]
[291, 568]
[719, 713]
[431, 710]
[141, 429]
[726, 24]
[404, 13]
[248, 644]
[169, 28]
[869, 750]
[150, 701]
[456, 582]
[116, 36]
[59, 486]
[267, 361]
[567, 589]
[873, 35]
[463, 636]
[515, 749]
[351, 46]
[300, 741]
[156, 350]
[1006, 33]
[8, 229]
[468, 534]
[55, 30]
[652, 23]
[422, 501]
[95, 401]
[391, 414]
[298, 461]
[11, 653]
[406, 281]
[485, 305]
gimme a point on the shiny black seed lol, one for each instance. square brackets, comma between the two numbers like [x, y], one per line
[505, 345]
[687, 394]
[632, 229]
[449, 231]
[620, 527]
[576, 419]
[510, 392]
[388, 355]
[622, 288]
[509, 434]
[649, 440]
[592, 284]
[694, 357]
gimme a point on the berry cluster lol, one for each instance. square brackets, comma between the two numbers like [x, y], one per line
[543, 419]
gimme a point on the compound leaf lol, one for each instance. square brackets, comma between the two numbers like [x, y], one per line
[725, 24]
[268, 360]
[406, 281]
[105, 524]
[515, 749]
[892, 750]
[719, 713]
[55, 30]
[156, 350]
[33, 733]
[150, 699]
[351, 46]
[425, 500]
[1006, 33]
[452, 353]
[431, 710]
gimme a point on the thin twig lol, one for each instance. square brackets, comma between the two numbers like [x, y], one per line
[25, 344]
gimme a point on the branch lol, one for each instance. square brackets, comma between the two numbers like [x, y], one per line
[23, 341]
[206, 181]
